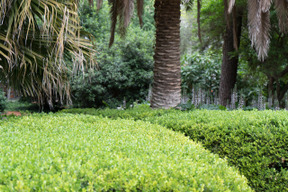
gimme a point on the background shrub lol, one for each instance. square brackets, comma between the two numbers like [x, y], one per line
[124, 70]
[66, 152]
[125, 73]
[3, 100]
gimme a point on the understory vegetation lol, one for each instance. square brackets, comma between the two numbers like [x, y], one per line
[2, 100]
[72, 152]
[254, 141]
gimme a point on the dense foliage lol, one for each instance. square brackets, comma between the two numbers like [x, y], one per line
[66, 152]
[253, 141]
[125, 70]
[200, 71]
[2, 100]
[267, 78]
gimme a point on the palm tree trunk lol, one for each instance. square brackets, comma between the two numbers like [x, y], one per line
[166, 92]
[229, 63]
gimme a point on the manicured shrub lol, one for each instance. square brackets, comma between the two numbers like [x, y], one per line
[66, 152]
[254, 141]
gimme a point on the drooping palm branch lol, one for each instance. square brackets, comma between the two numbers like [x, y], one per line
[35, 38]
[259, 22]
[121, 11]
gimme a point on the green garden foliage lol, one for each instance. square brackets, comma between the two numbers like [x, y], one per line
[200, 71]
[3, 100]
[67, 152]
[124, 70]
[254, 141]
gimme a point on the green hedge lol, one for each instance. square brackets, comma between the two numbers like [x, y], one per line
[66, 152]
[254, 141]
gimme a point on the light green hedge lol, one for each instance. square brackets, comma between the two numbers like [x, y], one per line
[66, 152]
[254, 141]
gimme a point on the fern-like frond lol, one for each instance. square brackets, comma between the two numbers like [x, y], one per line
[259, 26]
[263, 39]
[122, 11]
[35, 37]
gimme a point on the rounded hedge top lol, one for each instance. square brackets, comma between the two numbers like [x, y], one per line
[66, 152]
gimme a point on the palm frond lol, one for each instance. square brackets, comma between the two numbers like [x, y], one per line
[263, 39]
[122, 11]
[282, 14]
[231, 5]
[35, 36]
[259, 26]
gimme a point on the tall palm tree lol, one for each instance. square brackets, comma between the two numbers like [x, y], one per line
[36, 37]
[166, 90]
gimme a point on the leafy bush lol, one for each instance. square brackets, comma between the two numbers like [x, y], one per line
[125, 69]
[186, 106]
[125, 73]
[2, 100]
[200, 71]
[66, 152]
[254, 141]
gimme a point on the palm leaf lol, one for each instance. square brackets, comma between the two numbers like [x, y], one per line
[35, 36]
[282, 14]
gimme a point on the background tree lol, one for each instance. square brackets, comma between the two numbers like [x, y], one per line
[230, 61]
[259, 22]
[216, 33]
[125, 70]
[274, 67]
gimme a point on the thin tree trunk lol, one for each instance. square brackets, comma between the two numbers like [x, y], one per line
[229, 64]
[166, 92]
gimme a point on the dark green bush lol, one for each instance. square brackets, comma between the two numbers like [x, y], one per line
[3, 100]
[200, 71]
[125, 69]
[253, 141]
[125, 73]
[66, 152]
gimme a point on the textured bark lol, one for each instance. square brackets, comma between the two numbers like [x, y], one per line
[166, 92]
[229, 64]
